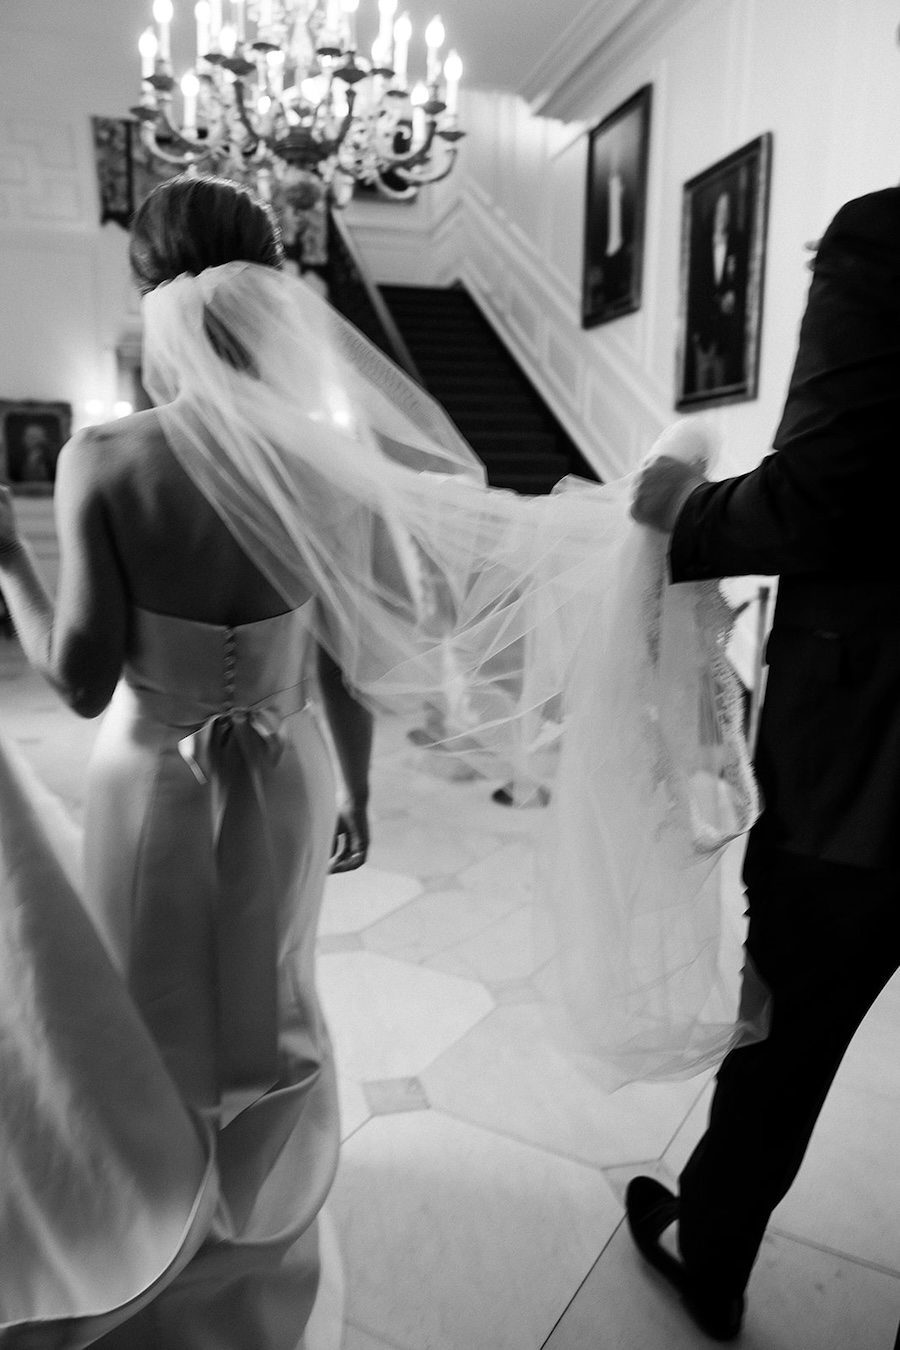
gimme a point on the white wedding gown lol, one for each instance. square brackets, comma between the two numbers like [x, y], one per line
[168, 1126]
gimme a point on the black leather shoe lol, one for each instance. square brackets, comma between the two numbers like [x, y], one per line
[650, 1209]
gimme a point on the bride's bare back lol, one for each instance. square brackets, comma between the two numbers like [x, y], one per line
[134, 531]
[175, 554]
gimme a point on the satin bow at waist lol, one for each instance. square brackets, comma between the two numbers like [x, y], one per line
[230, 754]
[257, 730]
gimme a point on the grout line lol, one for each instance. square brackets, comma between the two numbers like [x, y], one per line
[376, 1335]
[775, 1231]
[545, 1344]
[355, 1131]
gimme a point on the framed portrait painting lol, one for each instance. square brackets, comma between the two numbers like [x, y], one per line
[31, 437]
[126, 171]
[618, 151]
[723, 245]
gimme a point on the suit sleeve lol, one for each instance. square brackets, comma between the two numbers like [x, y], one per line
[826, 501]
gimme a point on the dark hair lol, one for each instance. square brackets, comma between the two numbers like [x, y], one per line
[187, 224]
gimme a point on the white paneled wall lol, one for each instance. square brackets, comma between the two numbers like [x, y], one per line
[39, 179]
[64, 287]
[822, 75]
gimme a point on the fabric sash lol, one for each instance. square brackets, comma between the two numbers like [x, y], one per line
[231, 753]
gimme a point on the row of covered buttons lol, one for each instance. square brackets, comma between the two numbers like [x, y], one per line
[230, 664]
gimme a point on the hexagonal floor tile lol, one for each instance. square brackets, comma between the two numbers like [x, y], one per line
[458, 1239]
[507, 1075]
[391, 1020]
[354, 900]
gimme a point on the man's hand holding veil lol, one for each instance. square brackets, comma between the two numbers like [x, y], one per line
[661, 489]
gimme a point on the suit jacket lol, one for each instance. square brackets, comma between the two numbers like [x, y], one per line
[823, 513]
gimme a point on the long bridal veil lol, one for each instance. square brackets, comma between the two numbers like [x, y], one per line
[544, 627]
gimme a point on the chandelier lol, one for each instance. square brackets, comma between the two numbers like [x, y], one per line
[279, 95]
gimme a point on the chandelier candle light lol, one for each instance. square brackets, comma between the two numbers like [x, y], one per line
[280, 96]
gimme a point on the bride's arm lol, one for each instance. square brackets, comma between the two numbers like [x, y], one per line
[351, 729]
[79, 644]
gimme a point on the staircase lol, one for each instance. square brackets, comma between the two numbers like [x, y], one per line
[466, 367]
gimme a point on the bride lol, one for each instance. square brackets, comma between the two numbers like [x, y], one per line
[208, 834]
[293, 521]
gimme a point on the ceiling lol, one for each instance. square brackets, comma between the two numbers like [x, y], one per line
[500, 41]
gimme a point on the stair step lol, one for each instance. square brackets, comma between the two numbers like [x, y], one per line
[528, 485]
[512, 466]
[429, 297]
[523, 455]
[468, 401]
[450, 343]
[466, 362]
[418, 318]
[499, 419]
[457, 383]
[445, 304]
[514, 442]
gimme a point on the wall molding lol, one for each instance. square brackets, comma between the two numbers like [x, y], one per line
[593, 51]
[593, 27]
[416, 246]
[42, 186]
[509, 279]
[542, 271]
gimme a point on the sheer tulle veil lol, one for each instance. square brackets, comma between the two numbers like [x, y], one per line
[543, 627]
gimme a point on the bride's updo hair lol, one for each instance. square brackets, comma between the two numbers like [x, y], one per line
[189, 224]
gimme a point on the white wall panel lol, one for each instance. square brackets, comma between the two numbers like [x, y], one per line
[60, 360]
[63, 279]
[523, 316]
[563, 195]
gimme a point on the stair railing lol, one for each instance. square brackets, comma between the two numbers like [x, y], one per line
[354, 294]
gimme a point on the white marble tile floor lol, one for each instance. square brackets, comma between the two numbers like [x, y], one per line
[479, 1199]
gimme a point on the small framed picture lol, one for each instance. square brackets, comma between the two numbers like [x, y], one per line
[31, 437]
[618, 151]
[723, 245]
[113, 160]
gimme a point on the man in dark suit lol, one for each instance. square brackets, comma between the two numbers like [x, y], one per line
[822, 869]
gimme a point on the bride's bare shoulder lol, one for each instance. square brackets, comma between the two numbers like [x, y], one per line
[99, 455]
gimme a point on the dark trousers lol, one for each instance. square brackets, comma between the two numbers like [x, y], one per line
[826, 939]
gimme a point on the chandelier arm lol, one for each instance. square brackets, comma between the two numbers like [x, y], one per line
[346, 122]
[345, 126]
[401, 162]
[416, 180]
[392, 194]
[183, 161]
[244, 120]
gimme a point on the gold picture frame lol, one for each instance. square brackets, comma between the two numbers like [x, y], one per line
[723, 249]
[32, 433]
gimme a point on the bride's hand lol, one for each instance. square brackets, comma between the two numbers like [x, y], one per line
[9, 534]
[661, 489]
[351, 840]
